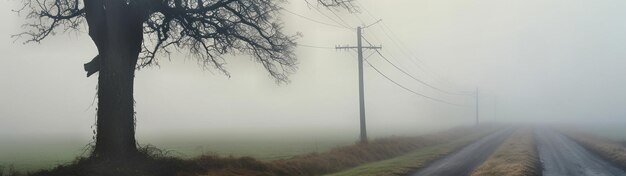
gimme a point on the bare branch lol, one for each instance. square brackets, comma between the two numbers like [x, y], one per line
[46, 15]
[210, 29]
[336, 3]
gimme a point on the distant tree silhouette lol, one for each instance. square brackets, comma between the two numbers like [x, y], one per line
[130, 34]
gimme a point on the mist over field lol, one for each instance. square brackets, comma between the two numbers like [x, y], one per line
[533, 61]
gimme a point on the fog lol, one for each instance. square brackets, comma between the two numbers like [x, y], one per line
[533, 61]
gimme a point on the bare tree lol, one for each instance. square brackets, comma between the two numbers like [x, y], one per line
[345, 4]
[130, 34]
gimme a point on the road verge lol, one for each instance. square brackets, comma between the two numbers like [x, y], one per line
[517, 156]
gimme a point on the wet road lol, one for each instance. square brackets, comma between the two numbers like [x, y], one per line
[464, 161]
[561, 156]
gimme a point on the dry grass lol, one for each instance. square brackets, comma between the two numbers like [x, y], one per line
[610, 150]
[346, 157]
[10, 171]
[515, 157]
[310, 164]
[418, 158]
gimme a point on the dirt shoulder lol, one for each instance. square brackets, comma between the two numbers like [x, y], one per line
[517, 156]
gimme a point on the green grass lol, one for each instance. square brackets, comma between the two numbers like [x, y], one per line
[31, 156]
[34, 155]
[410, 162]
[262, 149]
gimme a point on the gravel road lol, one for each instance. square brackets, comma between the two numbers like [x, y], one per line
[464, 161]
[561, 156]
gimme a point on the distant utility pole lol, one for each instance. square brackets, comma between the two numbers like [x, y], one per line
[477, 110]
[495, 107]
[359, 49]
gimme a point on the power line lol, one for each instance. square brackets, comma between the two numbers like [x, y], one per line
[370, 55]
[408, 74]
[339, 17]
[394, 65]
[366, 11]
[313, 20]
[413, 58]
[405, 50]
[414, 78]
[398, 44]
[359, 18]
[407, 89]
[316, 47]
[322, 13]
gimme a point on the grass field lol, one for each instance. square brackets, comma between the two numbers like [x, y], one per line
[613, 131]
[517, 156]
[34, 153]
[43, 154]
[38, 154]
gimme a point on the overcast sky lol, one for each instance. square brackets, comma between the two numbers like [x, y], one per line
[544, 60]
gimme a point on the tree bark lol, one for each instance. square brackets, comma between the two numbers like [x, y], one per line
[117, 32]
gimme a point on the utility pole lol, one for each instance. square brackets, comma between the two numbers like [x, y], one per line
[359, 49]
[477, 105]
[495, 107]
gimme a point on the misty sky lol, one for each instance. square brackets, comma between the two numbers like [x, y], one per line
[546, 60]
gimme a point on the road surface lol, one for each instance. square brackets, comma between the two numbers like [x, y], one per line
[464, 161]
[561, 156]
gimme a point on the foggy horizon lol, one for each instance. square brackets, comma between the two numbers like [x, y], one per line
[537, 62]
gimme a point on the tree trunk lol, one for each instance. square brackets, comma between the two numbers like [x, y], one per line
[118, 39]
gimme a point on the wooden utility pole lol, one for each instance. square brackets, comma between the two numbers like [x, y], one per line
[495, 107]
[477, 105]
[359, 49]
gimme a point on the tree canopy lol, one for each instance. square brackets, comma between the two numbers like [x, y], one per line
[206, 28]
